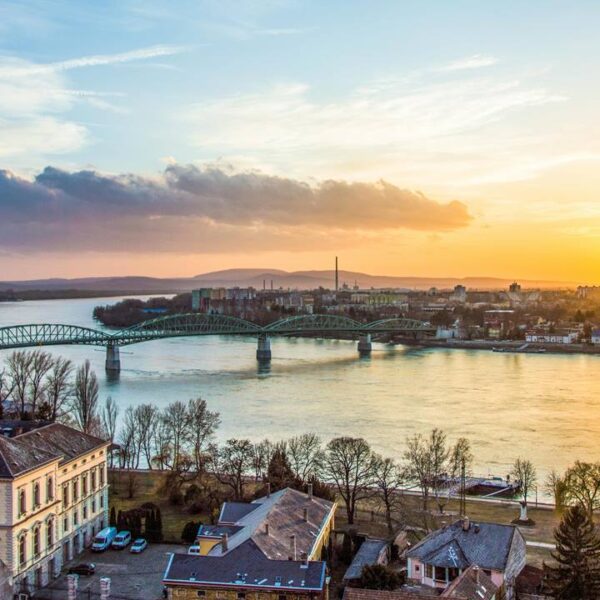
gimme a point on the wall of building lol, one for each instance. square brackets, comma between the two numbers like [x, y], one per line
[191, 593]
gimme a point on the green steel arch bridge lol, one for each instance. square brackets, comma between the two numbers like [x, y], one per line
[198, 324]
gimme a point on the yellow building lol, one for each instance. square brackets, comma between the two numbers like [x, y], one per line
[53, 498]
[269, 549]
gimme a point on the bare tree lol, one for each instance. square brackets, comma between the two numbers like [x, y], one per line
[175, 419]
[582, 482]
[556, 485]
[41, 363]
[305, 454]
[461, 457]
[146, 418]
[203, 423]
[262, 452]
[525, 474]
[110, 413]
[85, 399]
[231, 463]
[349, 463]
[19, 372]
[388, 478]
[58, 386]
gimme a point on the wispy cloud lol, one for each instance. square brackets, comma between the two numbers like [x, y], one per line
[476, 61]
[90, 61]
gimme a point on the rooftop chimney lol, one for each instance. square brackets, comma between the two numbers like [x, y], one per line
[268, 490]
[466, 524]
[225, 542]
[292, 547]
[310, 491]
[476, 571]
[267, 528]
[305, 515]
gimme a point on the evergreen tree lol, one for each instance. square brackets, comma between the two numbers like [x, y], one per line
[113, 517]
[150, 526]
[158, 525]
[279, 473]
[380, 577]
[577, 574]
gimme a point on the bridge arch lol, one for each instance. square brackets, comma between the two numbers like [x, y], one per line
[50, 334]
[313, 323]
[398, 324]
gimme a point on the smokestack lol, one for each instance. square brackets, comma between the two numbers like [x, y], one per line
[271, 285]
[336, 274]
[267, 528]
[310, 491]
[225, 542]
[264, 284]
[292, 547]
[305, 515]
[476, 571]
[466, 524]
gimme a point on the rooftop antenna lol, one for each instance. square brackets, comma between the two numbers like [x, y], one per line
[336, 275]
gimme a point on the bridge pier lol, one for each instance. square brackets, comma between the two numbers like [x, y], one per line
[113, 359]
[364, 344]
[263, 349]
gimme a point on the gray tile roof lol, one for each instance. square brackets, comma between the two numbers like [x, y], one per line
[484, 544]
[17, 458]
[245, 567]
[472, 584]
[368, 554]
[231, 512]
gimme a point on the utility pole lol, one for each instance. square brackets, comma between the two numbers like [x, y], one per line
[463, 489]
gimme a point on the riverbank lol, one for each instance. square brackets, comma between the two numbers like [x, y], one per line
[505, 346]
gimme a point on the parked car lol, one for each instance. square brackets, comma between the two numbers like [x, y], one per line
[83, 569]
[104, 539]
[122, 540]
[138, 546]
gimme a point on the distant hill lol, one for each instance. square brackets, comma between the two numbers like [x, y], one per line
[257, 277]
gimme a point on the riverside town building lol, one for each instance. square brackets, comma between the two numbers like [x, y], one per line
[53, 498]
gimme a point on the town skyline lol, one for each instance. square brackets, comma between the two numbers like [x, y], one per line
[163, 143]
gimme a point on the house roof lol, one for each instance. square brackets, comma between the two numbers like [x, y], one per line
[484, 544]
[246, 566]
[351, 593]
[368, 554]
[232, 512]
[40, 445]
[283, 511]
[472, 584]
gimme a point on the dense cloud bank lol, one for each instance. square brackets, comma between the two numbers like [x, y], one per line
[194, 209]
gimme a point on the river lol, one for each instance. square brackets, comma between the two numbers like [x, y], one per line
[543, 407]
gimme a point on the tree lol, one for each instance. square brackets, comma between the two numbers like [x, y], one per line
[203, 423]
[190, 531]
[110, 413]
[426, 464]
[280, 474]
[525, 474]
[380, 577]
[557, 487]
[582, 482]
[231, 464]
[577, 574]
[305, 454]
[262, 452]
[41, 363]
[19, 372]
[176, 419]
[461, 457]
[85, 399]
[58, 386]
[388, 479]
[146, 418]
[349, 463]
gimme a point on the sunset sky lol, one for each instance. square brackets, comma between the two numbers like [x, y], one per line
[433, 138]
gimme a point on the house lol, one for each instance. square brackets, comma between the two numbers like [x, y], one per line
[544, 336]
[269, 548]
[442, 556]
[595, 336]
[371, 552]
[472, 584]
[352, 593]
[53, 498]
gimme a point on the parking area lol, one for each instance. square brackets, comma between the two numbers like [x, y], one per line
[133, 576]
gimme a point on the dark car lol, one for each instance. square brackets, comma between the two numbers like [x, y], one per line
[83, 569]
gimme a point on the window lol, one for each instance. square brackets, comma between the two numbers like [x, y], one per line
[75, 518]
[50, 533]
[429, 571]
[75, 490]
[84, 484]
[36, 495]
[85, 512]
[22, 503]
[22, 549]
[65, 524]
[94, 480]
[282, 597]
[36, 541]
[49, 489]
[93, 505]
[102, 475]
[201, 593]
[65, 496]
[101, 500]
[241, 595]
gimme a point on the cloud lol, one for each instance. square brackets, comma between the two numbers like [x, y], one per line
[192, 209]
[476, 61]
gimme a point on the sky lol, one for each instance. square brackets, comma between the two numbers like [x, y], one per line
[426, 137]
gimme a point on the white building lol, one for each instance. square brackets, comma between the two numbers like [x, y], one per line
[53, 498]
[545, 337]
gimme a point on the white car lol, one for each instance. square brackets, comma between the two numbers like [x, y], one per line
[138, 546]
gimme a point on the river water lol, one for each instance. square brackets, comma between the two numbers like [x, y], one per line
[543, 407]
